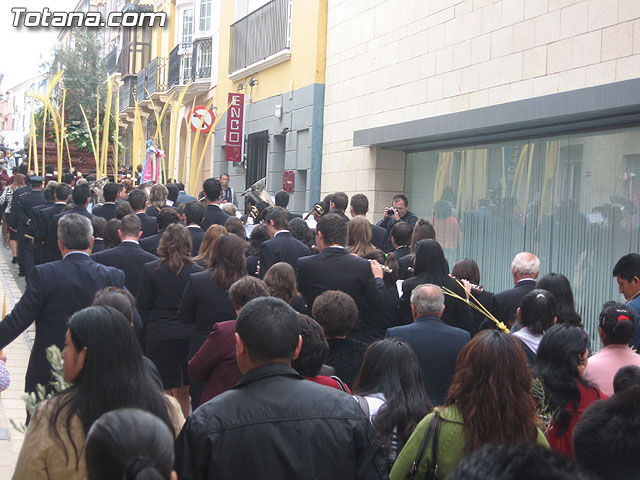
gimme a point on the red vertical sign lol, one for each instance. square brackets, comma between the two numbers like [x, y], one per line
[235, 114]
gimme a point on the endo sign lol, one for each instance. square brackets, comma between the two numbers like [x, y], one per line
[235, 114]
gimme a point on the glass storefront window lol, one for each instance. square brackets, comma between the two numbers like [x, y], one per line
[572, 200]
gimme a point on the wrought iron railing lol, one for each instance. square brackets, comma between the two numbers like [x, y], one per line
[127, 92]
[180, 65]
[141, 85]
[202, 55]
[260, 34]
[157, 75]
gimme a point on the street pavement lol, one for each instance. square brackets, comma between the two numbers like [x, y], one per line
[11, 403]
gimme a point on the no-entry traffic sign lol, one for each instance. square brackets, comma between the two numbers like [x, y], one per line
[201, 112]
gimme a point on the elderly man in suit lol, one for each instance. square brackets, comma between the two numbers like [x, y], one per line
[54, 292]
[282, 247]
[525, 269]
[436, 344]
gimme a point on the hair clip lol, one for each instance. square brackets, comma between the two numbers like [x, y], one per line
[540, 295]
[623, 317]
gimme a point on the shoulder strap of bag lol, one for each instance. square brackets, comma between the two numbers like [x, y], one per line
[341, 384]
[433, 430]
[364, 405]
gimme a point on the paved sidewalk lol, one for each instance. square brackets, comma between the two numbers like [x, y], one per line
[11, 402]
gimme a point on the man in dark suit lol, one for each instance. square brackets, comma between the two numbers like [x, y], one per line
[193, 213]
[212, 214]
[22, 205]
[165, 217]
[282, 200]
[62, 194]
[128, 255]
[138, 201]
[54, 292]
[359, 208]
[400, 239]
[436, 344]
[107, 210]
[282, 247]
[36, 229]
[334, 268]
[525, 269]
[81, 195]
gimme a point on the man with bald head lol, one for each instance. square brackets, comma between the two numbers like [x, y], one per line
[525, 269]
[436, 344]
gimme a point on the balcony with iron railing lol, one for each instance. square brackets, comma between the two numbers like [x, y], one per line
[127, 92]
[157, 75]
[202, 56]
[261, 39]
[180, 59]
[141, 85]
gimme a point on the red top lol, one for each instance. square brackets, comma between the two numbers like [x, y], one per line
[563, 443]
[327, 381]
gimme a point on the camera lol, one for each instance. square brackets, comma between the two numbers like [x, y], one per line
[390, 211]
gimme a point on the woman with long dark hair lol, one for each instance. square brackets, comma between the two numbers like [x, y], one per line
[130, 443]
[616, 330]
[431, 267]
[167, 339]
[103, 360]
[208, 241]
[560, 288]
[390, 387]
[560, 365]
[281, 281]
[484, 405]
[422, 230]
[206, 296]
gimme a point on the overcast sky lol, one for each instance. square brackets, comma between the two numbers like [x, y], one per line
[22, 50]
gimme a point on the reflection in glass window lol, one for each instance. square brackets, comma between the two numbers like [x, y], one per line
[187, 26]
[572, 200]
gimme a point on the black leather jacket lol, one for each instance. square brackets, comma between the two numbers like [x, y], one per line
[275, 425]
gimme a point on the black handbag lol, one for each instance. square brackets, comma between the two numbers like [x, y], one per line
[433, 430]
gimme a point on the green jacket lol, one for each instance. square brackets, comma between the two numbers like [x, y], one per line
[450, 446]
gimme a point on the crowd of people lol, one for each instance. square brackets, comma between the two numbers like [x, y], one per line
[197, 348]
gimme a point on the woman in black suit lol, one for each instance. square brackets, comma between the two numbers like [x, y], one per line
[167, 339]
[431, 267]
[206, 300]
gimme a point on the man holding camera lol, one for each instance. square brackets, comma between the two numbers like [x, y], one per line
[397, 212]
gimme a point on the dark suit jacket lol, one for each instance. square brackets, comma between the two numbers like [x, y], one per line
[159, 300]
[51, 244]
[128, 257]
[281, 248]
[197, 234]
[403, 267]
[378, 237]
[437, 346]
[215, 362]
[507, 302]
[456, 313]
[213, 216]
[150, 244]
[98, 245]
[345, 355]
[54, 292]
[203, 304]
[293, 215]
[149, 224]
[401, 252]
[47, 219]
[107, 210]
[334, 268]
